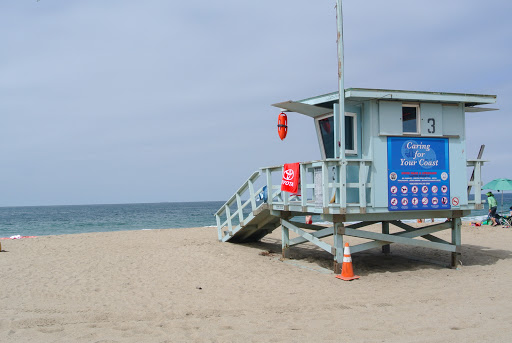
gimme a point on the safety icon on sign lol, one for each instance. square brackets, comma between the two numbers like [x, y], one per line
[455, 201]
[393, 176]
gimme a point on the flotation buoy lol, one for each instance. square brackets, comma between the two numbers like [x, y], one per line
[282, 125]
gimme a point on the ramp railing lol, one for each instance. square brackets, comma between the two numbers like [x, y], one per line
[326, 187]
[236, 211]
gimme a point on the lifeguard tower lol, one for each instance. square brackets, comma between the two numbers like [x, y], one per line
[389, 156]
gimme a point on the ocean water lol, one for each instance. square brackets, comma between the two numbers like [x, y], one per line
[59, 220]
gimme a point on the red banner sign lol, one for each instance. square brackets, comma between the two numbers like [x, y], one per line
[291, 178]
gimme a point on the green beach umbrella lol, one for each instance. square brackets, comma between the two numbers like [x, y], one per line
[499, 185]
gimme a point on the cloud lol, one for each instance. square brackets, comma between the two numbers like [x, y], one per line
[131, 101]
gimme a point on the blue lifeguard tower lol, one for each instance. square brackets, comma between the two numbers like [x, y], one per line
[387, 156]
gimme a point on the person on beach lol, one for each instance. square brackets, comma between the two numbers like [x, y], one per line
[507, 220]
[493, 206]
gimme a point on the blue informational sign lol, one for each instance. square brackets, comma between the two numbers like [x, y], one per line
[418, 174]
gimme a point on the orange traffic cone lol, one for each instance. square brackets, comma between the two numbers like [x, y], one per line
[347, 273]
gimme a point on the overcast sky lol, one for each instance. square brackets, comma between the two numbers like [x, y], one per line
[149, 101]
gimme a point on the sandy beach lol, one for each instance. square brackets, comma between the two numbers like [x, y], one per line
[182, 285]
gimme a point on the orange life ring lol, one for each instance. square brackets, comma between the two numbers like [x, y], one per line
[282, 125]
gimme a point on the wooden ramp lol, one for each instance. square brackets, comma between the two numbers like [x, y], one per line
[245, 216]
[257, 225]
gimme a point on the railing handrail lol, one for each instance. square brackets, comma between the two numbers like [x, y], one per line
[338, 187]
[351, 160]
[239, 210]
[329, 193]
[240, 190]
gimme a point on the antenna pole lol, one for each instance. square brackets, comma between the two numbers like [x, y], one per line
[340, 145]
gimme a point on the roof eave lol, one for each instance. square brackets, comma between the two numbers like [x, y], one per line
[369, 94]
[312, 107]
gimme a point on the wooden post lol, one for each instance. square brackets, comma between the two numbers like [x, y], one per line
[270, 190]
[480, 153]
[285, 195]
[303, 187]
[325, 186]
[456, 240]
[343, 185]
[337, 147]
[362, 186]
[219, 228]
[478, 177]
[252, 195]
[386, 249]
[337, 133]
[228, 216]
[239, 209]
[285, 241]
[339, 230]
